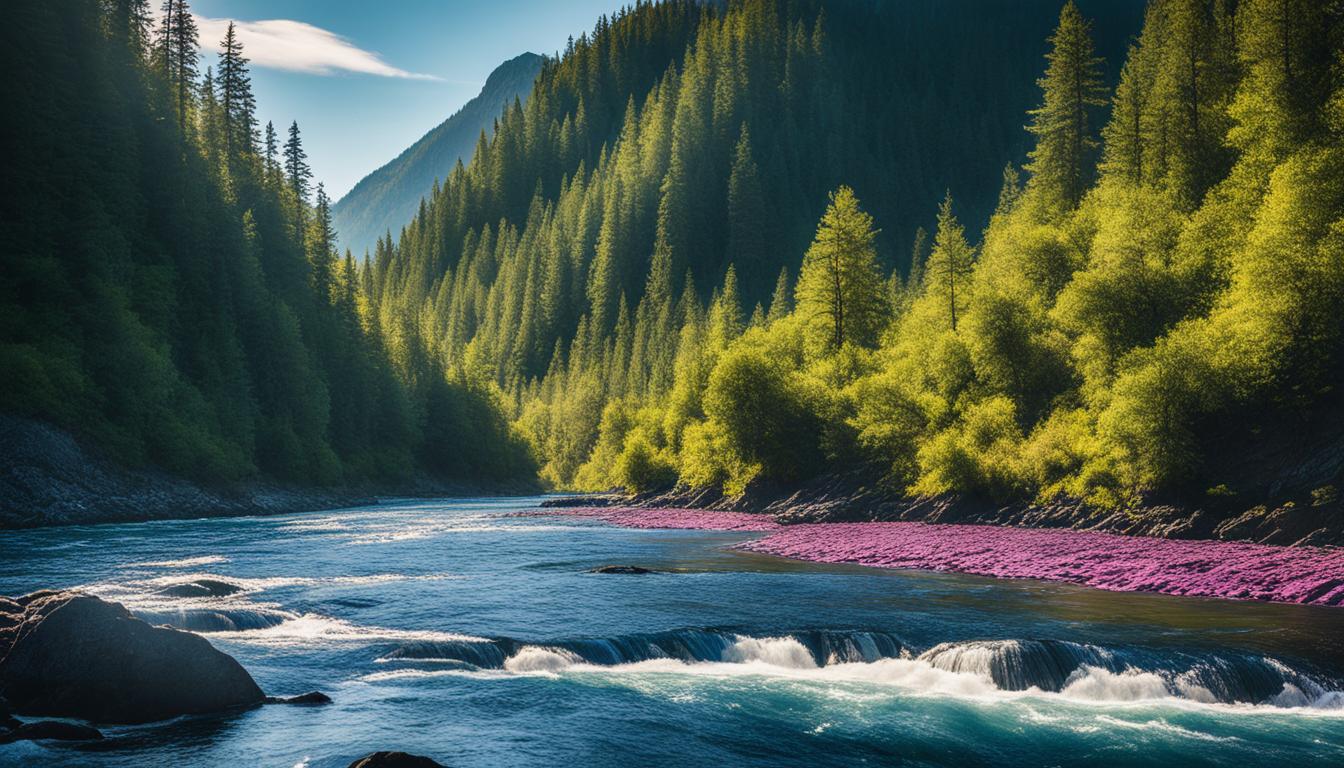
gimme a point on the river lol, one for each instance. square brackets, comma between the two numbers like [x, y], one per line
[467, 632]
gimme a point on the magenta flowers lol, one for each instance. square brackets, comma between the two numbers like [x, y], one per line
[1236, 570]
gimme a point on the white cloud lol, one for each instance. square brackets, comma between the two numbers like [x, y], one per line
[300, 47]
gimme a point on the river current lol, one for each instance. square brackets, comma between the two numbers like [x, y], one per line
[476, 635]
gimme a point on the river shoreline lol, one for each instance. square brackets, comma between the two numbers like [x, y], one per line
[1305, 575]
[48, 478]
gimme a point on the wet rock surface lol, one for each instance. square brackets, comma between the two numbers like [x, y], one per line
[50, 729]
[622, 569]
[311, 698]
[68, 654]
[395, 760]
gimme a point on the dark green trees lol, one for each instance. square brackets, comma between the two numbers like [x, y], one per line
[1061, 162]
[161, 296]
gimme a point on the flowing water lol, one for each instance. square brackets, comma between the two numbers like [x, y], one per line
[464, 631]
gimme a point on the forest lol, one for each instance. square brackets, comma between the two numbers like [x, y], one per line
[735, 284]
[717, 245]
[170, 289]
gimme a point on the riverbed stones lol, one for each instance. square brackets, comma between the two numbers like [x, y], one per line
[69, 654]
[394, 760]
[201, 588]
[621, 569]
[310, 699]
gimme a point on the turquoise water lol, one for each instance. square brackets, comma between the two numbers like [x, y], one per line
[465, 632]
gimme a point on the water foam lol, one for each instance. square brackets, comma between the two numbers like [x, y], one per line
[986, 669]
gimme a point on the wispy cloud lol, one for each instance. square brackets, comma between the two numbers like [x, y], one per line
[300, 47]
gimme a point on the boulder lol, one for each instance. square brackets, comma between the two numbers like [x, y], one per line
[394, 760]
[310, 698]
[201, 588]
[70, 654]
[625, 569]
[50, 729]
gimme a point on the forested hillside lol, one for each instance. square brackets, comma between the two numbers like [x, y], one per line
[680, 146]
[1153, 308]
[387, 199]
[171, 290]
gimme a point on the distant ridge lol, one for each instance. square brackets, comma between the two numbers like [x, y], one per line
[387, 199]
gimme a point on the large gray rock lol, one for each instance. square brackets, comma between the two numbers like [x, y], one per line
[67, 654]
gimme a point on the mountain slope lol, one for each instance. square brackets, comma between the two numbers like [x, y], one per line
[679, 140]
[386, 199]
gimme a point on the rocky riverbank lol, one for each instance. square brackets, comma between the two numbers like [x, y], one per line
[1306, 519]
[47, 477]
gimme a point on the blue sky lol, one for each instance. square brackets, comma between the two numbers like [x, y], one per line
[366, 79]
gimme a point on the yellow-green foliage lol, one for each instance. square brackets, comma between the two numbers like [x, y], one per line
[1099, 340]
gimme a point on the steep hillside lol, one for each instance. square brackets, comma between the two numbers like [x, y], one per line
[680, 140]
[387, 199]
[172, 294]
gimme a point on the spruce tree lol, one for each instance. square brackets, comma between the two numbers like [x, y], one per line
[1061, 161]
[746, 216]
[238, 105]
[297, 172]
[178, 47]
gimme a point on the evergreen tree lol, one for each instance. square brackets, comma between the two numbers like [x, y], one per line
[1061, 161]
[235, 96]
[178, 47]
[271, 150]
[746, 216]
[948, 272]
[297, 172]
[840, 290]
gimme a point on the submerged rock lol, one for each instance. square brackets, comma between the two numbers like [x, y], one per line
[50, 729]
[394, 760]
[201, 588]
[69, 654]
[310, 698]
[625, 569]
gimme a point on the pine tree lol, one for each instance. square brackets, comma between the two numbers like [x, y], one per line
[271, 151]
[238, 105]
[321, 243]
[948, 272]
[781, 301]
[129, 22]
[746, 216]
[1060, 162]
[840, 290]
[178, 45]
[297, 172]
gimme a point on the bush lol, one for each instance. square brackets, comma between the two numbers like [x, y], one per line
[641, 467]
[765, 415]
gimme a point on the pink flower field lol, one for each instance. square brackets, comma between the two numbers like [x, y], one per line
[698, 519]
[1233, 570]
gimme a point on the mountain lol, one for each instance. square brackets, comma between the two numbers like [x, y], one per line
[387, 199]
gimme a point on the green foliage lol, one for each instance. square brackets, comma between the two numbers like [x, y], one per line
[840, 290]
[170, 296]
[765, 414]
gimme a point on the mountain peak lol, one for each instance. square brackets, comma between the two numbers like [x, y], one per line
[387, 198]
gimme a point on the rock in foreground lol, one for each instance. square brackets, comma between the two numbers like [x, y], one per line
[394, 760]
[68, 654]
